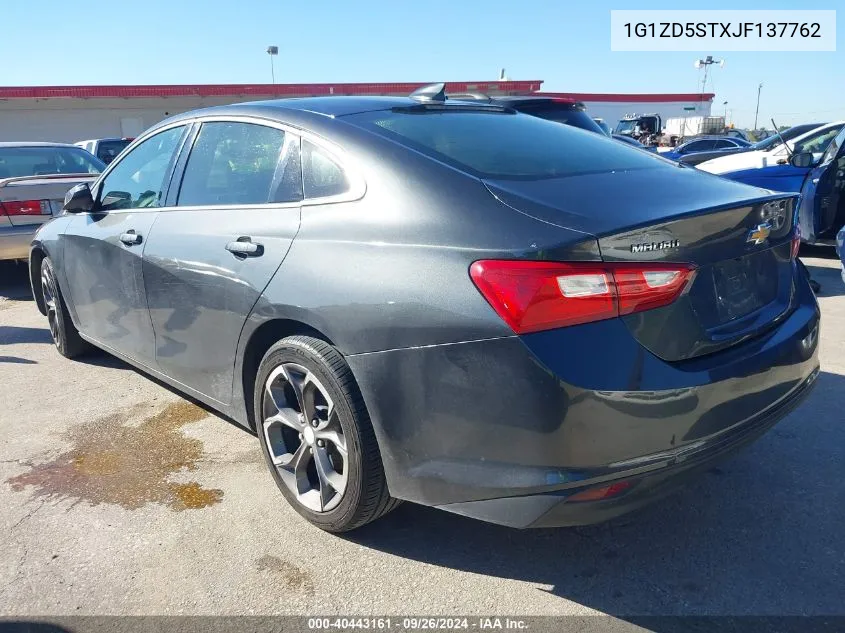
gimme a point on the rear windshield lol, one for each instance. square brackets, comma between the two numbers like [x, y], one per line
[501, 145]
[38, 161]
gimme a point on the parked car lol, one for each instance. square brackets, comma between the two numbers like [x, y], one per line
[106, 149]
[840, 249]
[765, 145]
[785, 174]
[737, 133]
[445, 302]
[604, 127]
[814, 141]
[629, 140]
[705, 144]
[34, 178]
[822, 210]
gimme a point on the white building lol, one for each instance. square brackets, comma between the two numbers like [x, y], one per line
[613, 107]
[74, 113]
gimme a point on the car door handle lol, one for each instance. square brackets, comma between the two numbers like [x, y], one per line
[245, 247]
[130, 238]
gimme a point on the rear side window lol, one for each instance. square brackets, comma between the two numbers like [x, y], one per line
[724, 145]
[38, 161]
[502, 145]
[108, 150]
[241, 163]
[698, 146]
[321, 175]
[570, 115]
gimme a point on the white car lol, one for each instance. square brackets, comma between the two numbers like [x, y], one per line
[815, 141]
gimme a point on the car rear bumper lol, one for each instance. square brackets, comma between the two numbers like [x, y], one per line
[15, 241]
[661, 479]
[507, 429]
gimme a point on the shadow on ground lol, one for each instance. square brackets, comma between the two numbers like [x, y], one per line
[830, 279]
[760, 534]
[14, 281]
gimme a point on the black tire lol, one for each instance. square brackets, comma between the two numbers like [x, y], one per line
[366, 497]
[64, 332]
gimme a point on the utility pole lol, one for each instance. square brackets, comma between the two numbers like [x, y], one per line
[707, 62]
[272, 51]
[759, 88]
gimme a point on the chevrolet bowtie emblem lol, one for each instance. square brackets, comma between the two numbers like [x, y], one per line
[759, 233]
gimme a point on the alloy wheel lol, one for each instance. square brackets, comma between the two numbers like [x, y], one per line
[47, 289]
[304, 437]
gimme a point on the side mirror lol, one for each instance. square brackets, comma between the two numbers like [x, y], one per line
[802, 159]
[79, 199]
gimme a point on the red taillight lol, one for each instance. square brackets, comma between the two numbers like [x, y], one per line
[531, 296]
[796, 243]
[26, 207]
[604, 492]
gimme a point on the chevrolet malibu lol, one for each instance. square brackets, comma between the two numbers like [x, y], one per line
[444, 302]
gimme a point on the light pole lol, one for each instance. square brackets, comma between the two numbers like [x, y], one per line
[757, 110]
[707, 62]
[725, 103]
[272, 51]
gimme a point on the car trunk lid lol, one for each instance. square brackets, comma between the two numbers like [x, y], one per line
[44, 195]
[738, 237]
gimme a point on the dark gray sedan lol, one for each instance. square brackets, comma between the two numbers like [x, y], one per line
[450, 303]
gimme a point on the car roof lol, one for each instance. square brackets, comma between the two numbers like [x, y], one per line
[711, 137]
[8, 144]
[106, 139]
[325, 106]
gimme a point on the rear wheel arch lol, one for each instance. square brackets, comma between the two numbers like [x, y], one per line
[36, 256]
[261, 340]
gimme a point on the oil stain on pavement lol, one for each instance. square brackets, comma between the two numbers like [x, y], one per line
[291, 576]
[114, 461]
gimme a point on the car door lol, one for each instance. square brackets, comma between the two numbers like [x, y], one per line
[102, 249]
[822, 210]
[235, 212]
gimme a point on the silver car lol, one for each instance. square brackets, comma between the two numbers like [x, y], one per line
[34, 178]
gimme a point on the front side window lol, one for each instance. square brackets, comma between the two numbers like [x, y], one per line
[241, 163]
[138, 180]
[321, 175]
[834, 147]
[503, 145]
[817, 143]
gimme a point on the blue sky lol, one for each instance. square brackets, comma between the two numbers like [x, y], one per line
[565, 43]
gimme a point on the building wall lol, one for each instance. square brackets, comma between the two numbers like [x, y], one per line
[71, 120]
[611, 112]
[75, 113]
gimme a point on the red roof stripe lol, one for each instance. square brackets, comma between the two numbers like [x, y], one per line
[630, 98]
[263, 90]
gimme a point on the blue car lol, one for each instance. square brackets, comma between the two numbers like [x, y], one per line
[840, 248]
[718, 143]
[822, 208]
